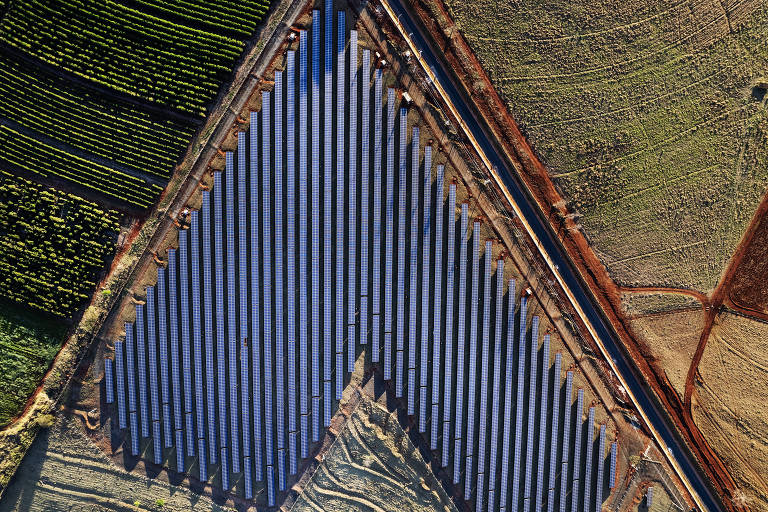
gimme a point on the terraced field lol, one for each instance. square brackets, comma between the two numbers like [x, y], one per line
[647, 116]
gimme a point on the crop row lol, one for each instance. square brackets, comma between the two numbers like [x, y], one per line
[241, 18]
[86, 120]
[52, 244]
[124, 49]
[34, 156]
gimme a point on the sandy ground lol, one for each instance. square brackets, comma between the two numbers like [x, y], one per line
[730, 403]
[373, 466]
[672, 338]
[65, 471]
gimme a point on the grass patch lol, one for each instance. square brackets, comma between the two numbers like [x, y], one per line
[645, 114]
[28, 343]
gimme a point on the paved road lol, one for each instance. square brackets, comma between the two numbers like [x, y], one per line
[551, 245]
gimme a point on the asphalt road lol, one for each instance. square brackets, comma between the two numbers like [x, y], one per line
[644, 396]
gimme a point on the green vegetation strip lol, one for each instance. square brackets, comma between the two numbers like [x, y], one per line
[32, 155]
[52, 244]
[28, 343]
[241, 18]
[88, 121]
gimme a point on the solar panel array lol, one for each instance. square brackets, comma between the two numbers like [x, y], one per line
[240, 355]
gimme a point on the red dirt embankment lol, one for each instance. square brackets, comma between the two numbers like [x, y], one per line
[448, 39]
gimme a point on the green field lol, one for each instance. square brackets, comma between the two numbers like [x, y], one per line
[52, 245]
[647, 117]
[28, 343]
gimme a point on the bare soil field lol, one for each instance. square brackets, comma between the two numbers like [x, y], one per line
[644, 114]
[373, 465]
[671, 336]
[749, 288]
[64, 470]
[730, 402]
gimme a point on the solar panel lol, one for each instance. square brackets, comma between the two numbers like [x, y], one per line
[588, 459]
[208, 332]
[152, 354]
[600, 465]
[316, 221]
[413, 267]
[566, 437]
[473, 320]
[162, 333]
[389, 202]
[303, 348]
[130, 368]
[245, 409]
[266, 237]
[461, 343]
[577, 451]
[109, 381]
[186, 359]
[365, 121]
[197, 344]
[449, 265]
[485, 379]
[328, 217]
[542, 422]
[509, 370]
[437, 306]
[649, 497]
[173, 297]
[242, 274]
[376, 254]
[120, 374]
[220, 318]
[531, 413]
[256, 340]
[519, 404]
[425, 232]
[612, 473]
[352, 207]
[179, 445]
[290, 273]
[496, 390]
[141, 369]
[231, 258]
[224, 467]
[340, 206]
[153, 384]
[157, 450]
[134, 433]
[247, 477]
[555, 412]
[279, 280]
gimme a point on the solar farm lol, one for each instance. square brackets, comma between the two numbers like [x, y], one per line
[338, 229]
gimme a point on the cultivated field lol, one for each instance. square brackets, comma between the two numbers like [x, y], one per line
[373, 465]
[730, 403]
[646, 115]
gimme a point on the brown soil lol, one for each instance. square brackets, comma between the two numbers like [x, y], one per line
[749, 288]
[730, 402]
[672, 337]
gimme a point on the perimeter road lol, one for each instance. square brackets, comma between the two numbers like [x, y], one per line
[559, 264]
